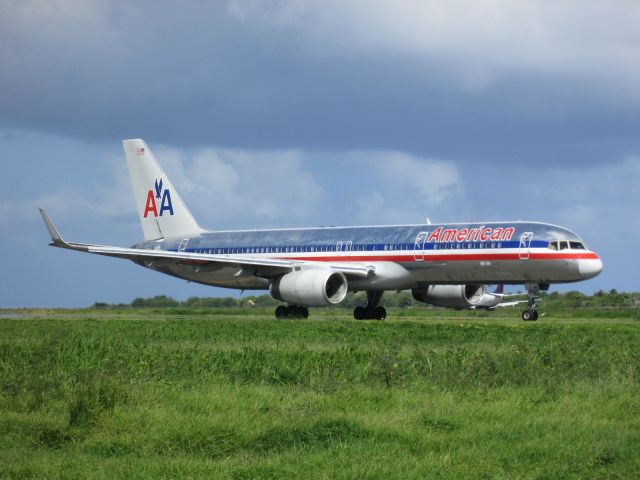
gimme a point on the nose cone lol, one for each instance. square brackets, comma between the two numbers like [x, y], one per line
[590, 267]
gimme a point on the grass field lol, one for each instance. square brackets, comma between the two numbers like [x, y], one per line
[137, 394]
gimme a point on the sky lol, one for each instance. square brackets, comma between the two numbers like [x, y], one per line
[285, 113]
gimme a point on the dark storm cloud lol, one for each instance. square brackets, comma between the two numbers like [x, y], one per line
[281, 75]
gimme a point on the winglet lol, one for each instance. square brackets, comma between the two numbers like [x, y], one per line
[56, 238]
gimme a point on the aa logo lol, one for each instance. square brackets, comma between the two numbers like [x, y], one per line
[160, 196]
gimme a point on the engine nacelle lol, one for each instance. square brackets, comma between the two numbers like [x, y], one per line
[312, 288]
[450, 296]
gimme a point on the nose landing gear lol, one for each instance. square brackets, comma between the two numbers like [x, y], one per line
[533, 289]
[371, 311]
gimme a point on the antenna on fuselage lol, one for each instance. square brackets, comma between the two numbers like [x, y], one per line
[428, 221]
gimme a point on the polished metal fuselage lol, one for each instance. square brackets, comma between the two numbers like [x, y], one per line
[403, 257]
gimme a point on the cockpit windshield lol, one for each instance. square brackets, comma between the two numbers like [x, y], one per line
[566, 245]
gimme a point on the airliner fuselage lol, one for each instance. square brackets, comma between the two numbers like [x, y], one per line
[404, 257]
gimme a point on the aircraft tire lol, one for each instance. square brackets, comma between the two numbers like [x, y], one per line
[359, 313]
[281, 312]
[380, 313]
[530, 315]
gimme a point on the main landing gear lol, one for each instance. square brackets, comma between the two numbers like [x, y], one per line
[371, 311]
[531, 313]
[292, 311]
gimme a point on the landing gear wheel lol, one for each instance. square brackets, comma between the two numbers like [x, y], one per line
[369, 313]
[292, 311]
[297, 311]
[533, 291]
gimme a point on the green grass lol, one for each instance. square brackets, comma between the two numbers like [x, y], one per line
[136, 394]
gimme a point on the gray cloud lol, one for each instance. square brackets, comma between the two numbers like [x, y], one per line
[496, 81]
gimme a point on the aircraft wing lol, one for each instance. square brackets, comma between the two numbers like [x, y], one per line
[267, 267]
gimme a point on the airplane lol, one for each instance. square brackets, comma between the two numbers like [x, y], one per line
[316, 267]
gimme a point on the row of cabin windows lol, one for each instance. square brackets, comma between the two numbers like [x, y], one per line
[565, 245]
[336, 248]
[222, 251]
[468, 245]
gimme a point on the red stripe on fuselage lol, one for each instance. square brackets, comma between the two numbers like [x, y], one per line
[447, 257]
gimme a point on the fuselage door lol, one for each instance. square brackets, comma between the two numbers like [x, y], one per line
[418, 250]
[183, 245]
[525, 245]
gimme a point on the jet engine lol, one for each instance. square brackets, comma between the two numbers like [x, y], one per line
[312, 288]
[451, 296]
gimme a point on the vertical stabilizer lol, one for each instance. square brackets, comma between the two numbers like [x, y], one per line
[162, 212]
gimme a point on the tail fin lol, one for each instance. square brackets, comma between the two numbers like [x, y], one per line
[500, 289]
[162, 212]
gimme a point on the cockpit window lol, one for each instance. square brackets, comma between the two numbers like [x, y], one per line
[564, 245]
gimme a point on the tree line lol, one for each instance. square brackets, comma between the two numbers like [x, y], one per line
[572, 299]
